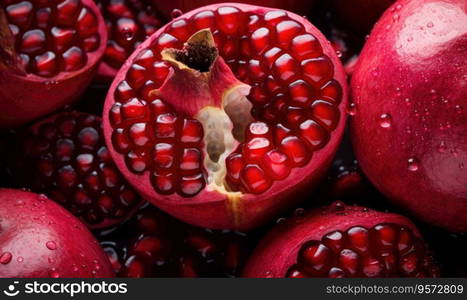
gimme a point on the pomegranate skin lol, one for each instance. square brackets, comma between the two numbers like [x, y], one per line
[410, 122]
[41, 239]
[211, 209]
[277, 252]
[297, 6]
[26, 96]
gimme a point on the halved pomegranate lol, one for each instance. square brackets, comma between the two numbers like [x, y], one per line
[49, 52]
[409, 125]
[40, 239]
[65, 157]
[129, 23]
[153, 244]
[227, 113]
[343, 241]
[168, 7]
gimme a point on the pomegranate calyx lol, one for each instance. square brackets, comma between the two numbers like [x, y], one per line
[213, 96]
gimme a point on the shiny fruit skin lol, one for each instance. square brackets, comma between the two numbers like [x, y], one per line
[410, 95]
[40, 239]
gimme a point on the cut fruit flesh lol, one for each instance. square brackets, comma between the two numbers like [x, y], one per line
[296, 124]
[50, 37]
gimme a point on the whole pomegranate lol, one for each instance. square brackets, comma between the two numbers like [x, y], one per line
[154, 245]
[410, 109]
[343, 241]
[38, 239]
[226, 114]
[129, 23]
[49, 52]
[168, 7]
[65, 157]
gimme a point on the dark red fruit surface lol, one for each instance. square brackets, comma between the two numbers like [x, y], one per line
[232, 126]
[359, 15]
[65, 157]
[129, 23]
[343, 241]
[168, 7]
[410, 109]
[50, 52]
[155, 245]
[40, 239]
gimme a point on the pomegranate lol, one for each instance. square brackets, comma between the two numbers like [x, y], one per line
[65, 157]
[50, 51]
[171, 8]
[410, 109]
[129, 22]
[343, 241]
[159, 246]
[41, 239]
[226, 114]
[359, 15]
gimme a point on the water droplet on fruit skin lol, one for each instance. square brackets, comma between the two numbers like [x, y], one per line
[5, 258]
[20, 259]
[299, 212]
[352, 109]
[412, 164]
[280, 221]
[51, 245]
[176, 13]
[385, 121]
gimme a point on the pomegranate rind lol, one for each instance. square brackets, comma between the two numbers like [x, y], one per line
[212, 209]
[278, 250]
[412, 69]
[46, 241]
[25, 97]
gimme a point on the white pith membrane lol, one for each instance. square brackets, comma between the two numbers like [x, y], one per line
[224, 112]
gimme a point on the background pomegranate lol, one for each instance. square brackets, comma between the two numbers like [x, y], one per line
[129, 23]
[40, 239]
[65, 157]
[153, 244]
[195, 146]
[50, 52]
[167, 7]
[410, 117]
[342, 241]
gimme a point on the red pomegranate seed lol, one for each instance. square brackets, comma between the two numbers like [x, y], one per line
[20, 13]
[62, 38]
[313, 133]
[286, 31]
[46, 64]
[296, 149]
[33, 41]
[306, 46]
[315, 257]
[254, 179]
[74, 59]
[164, 155]
[276, 164]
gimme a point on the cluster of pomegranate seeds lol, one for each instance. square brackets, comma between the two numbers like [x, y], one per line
[52, 36]
[154, 138]
[129, 22]
[385, 250]
[294, 95]
[66, 158]
[167, 248]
